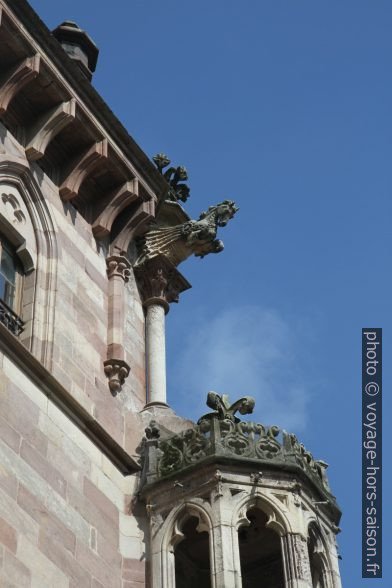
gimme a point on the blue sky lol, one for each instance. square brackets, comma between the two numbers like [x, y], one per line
[284, 107]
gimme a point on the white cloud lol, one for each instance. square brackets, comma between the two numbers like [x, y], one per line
[242, 351]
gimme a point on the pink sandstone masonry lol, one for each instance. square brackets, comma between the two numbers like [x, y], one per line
[69, 448]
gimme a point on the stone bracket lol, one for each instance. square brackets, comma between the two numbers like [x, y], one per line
[114, 203]
[16, 79]
[81, 168]
[47, 127]
[137, 223]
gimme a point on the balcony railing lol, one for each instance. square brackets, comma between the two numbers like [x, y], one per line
[10, 319]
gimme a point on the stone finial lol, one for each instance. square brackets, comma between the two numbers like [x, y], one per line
[78, 46]
[173, 176]
[194, 237]
[225, 410]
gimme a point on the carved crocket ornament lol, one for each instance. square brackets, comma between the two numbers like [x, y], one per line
[194, 237]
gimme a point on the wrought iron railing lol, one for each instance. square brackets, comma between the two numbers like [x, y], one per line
[10, 319]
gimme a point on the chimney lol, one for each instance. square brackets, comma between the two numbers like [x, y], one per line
[78, 46]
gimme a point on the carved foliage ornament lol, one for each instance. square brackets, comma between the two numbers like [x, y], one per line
[174, 176]
[315, 468]
[116, 371]
[225, 410]
[158, 280]
[118, 265]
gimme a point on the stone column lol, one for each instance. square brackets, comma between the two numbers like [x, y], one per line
[159, 283]
[156, 353]
[296, 561]
[116, 368]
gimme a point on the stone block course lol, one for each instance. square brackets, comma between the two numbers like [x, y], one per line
[9, 435]
[44, 468]
[64, 560]
[55, 528]
[92, 515]
[61, 499]
[109, 577]
[14, 574]
[8, 482]
[8, 535]
[100, 501]
[134, 570]
[44, 573]
[17, 519]
[109, 553]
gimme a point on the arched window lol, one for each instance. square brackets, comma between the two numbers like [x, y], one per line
[10, 276]
[192, 556]
[317, 558]
[11, 283]
[260, 553]
[28, 260]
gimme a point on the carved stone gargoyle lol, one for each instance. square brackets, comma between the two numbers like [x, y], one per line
[194, 237]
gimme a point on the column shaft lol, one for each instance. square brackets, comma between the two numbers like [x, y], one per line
[156, 353]
[296, 561]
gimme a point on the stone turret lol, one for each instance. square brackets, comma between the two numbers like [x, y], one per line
[259, 500]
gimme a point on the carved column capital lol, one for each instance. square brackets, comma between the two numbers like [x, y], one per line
[118, 265]
[160, 282]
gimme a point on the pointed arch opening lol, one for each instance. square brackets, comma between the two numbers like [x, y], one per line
[260, 552]
[26, 224]
[192, 555]
[317, 557]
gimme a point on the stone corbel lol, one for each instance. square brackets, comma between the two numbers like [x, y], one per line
[47, 127]
[137, 223]
[116, 368]
[115, 202]
[15, 79]
[80, 169]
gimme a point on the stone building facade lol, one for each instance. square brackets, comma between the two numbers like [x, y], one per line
[101, 484]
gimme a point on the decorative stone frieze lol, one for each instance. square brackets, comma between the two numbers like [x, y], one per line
[221, 436]
[115, 367]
